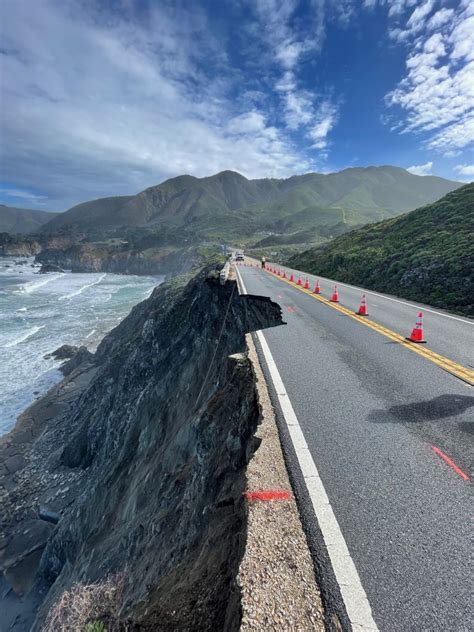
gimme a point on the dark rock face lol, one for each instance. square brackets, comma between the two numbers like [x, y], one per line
[160, 437]
[64, 352]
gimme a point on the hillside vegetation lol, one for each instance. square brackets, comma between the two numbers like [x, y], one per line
[426, 255]
[228, 206]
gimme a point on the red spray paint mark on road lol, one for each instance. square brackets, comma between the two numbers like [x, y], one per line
[451, 463]
[290, 309]
[268, 494]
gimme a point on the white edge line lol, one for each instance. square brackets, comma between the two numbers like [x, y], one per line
[417, 306]
[353, 594]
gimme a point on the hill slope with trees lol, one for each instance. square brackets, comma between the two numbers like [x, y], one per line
[426, 255]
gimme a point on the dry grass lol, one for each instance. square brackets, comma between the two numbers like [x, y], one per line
[87, 608]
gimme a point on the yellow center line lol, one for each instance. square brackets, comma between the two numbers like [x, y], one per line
[460, 371]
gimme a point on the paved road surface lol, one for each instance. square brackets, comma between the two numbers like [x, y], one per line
[371, 411]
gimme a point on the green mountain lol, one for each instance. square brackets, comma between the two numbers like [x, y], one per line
[228, 205]
[426, 255]
[22, 220]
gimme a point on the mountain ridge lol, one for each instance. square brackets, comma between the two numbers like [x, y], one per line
[19, 220]
[229, 203]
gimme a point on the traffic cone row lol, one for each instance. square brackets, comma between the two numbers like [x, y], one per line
[417, 334]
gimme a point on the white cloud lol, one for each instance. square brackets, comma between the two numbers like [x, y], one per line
[288, 45]
[345, 11]
[437, 93]
[110, 107]
[421, 170]
[415, 23]
[24, 196]
[247, 123]
[419, 15]
[325, 120]
[439, 18]
[454, 137]
[395, 7]
[465, 170]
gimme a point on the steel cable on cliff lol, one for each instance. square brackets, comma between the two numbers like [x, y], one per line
[217, 345]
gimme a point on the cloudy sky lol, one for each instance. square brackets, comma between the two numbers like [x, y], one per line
[107, 97]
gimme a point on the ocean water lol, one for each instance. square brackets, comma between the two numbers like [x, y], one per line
[39, 313]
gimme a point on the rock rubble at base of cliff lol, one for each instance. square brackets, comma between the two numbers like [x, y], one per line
[139, 455]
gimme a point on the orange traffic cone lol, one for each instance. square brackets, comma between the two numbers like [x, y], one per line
[284, 274]
[335, 295]
[417, 331]
[292, 278]
[317, 288]
[299, 280]
[363, 309]
[306, 284]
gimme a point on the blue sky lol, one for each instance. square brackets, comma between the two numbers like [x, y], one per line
[107, 97]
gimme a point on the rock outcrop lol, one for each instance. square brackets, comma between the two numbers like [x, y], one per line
[31, 245]
[151, 450]
[75, 356]
[18, 246]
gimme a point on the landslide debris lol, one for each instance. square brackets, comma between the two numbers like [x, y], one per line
[142, 452]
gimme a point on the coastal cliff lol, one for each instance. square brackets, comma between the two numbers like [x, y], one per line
[113, 254]
[139, 455]
[121, 259]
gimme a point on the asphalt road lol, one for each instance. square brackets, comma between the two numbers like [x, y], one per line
[371, 412]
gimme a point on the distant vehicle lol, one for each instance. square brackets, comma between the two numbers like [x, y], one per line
[239, 256]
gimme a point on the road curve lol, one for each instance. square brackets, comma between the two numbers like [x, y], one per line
[390, 434]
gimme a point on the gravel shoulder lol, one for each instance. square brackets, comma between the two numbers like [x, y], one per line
[277, 577]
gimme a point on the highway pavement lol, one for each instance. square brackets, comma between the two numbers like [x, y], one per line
[390, 434]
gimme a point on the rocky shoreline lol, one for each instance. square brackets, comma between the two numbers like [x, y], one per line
[145, 412]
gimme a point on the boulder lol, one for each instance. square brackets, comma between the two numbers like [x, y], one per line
[64, 352]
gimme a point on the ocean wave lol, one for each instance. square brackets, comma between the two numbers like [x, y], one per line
[82, 288]
[24, 336]
[32, 286]
[14, 403]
